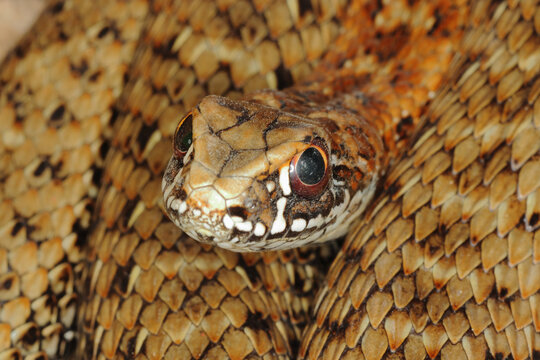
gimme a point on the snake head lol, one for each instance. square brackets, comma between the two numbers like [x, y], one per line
[259, 174]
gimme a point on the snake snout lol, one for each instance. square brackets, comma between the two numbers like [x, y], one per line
[212, 209]
[208, 217]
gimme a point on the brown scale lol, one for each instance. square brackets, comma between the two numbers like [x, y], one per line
[150, 292]
[446, 263]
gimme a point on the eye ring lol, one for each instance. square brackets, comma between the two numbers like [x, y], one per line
[309, 170]
[183, 136]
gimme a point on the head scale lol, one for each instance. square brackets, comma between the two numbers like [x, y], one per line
[272, 172]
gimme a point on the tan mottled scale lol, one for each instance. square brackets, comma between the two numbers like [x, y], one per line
[161, 295]
[57, 92]
[476, 278]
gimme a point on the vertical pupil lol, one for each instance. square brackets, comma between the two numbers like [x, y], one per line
[310, 167]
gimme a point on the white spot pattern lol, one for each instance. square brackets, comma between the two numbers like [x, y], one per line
[279, 223]
[298, 225]
[260, 229]
[284, 180]
[228, 222]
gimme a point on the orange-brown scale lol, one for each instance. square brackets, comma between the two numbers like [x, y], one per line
[444, 265]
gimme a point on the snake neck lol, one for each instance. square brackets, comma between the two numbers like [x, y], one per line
[282, 169]
[389, 71]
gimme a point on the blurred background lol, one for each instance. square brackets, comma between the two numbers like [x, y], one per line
[16, 17]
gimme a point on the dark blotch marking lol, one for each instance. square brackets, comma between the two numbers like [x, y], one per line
[58, 113]
[253, 275]
[433, 248]
[121, 280]
[63, 36]
[56, 8]
[243, 117]
[7, 284]
[437, 23]
[114, 116]
[238, 211]
[125, 78]
[70, 346]
[404, 127]
[58, 166]
[257, 322]
[31, 336]
[387, 46]
[131, 346]
[407, 120]
[103, 32]
[51, 302]
[503, 292]
[164, 48]
[65, 275]
[19, 51]
[40, 169]
[16, 228]
[97, 175]
[95, 76]
[144, 135]
[284, 77]
[295, 345]
[104, 149]
[81, 231]
[79, 69]
[339, 198]
[341, 172]
[534, 219]
[123, 219]
[179, 193]
[305, 6]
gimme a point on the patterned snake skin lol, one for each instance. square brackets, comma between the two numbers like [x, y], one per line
[444, 264]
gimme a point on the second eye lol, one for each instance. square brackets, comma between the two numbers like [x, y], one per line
[308, 171]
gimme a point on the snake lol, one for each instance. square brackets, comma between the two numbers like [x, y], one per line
[142, 219]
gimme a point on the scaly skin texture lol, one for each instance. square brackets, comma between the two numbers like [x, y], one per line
[447, 262]
[232, 187]
[409, 282]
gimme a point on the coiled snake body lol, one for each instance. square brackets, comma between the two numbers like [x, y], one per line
[441, 99]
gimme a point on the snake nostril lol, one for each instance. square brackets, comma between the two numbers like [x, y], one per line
[239, 211]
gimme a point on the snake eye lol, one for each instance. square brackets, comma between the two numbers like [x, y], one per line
[308, 171]
[183, 136]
